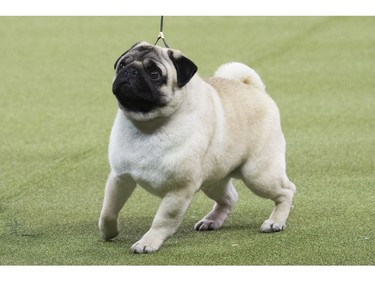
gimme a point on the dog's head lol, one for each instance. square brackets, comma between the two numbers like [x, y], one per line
[149, 80]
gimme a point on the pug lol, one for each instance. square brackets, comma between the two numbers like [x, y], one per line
[176, 133]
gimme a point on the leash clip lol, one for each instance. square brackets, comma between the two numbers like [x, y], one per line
[161, 34]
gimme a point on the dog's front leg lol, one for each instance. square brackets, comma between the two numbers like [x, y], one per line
[117, 192]
[168, 218]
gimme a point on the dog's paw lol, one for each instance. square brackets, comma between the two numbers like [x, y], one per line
[148, 244]
[140, 248]
[205, 225]
[108, 229]
[272, 226]
[108, 236]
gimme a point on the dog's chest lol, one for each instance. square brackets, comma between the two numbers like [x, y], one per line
[152, 160]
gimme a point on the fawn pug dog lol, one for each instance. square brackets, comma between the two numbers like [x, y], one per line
[176, 133]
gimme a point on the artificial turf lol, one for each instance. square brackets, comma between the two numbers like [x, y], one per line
[56, 112]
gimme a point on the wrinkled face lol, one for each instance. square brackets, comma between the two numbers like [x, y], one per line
[147, 78]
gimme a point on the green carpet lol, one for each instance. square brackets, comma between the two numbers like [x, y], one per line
[57, 109]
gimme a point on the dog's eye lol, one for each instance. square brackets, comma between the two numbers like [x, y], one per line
[154, 74]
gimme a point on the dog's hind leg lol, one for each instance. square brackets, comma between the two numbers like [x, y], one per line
[225, 196]
[283, 204]
[117, 192]
[271, 183]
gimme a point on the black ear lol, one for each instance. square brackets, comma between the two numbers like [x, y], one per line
[185, 69]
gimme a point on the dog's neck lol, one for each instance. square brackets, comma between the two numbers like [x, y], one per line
[150, 126]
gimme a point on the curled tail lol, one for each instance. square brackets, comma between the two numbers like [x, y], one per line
[241, 72]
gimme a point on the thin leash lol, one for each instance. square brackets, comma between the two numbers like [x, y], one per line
[161, 35]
